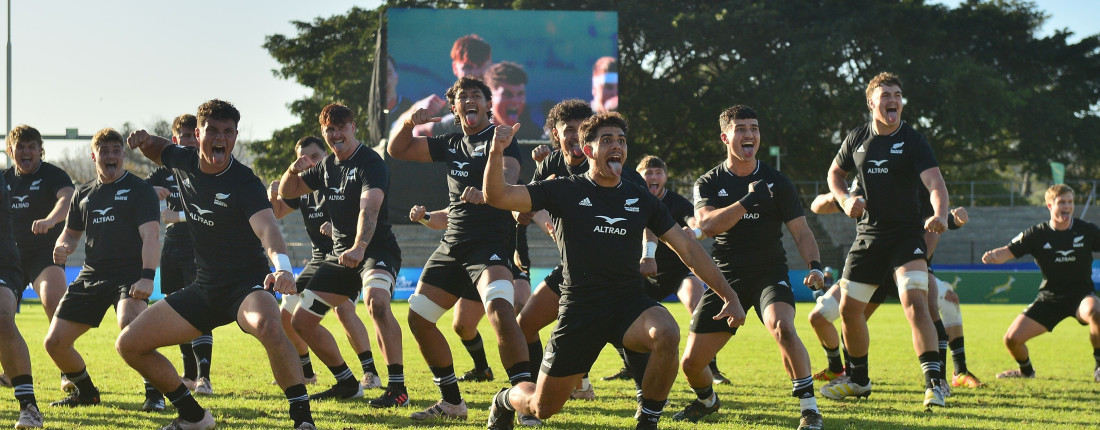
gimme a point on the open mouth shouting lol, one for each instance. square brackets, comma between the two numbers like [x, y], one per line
[748, 147]
[470, 116]
[26, 163]
[219, 153]
[892, 113]
[615, 162]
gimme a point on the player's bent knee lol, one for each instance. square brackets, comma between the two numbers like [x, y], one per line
[858, 291]
[827, 308]
[912, 280]
[499, 289]
[950, 313]
[425, 307]
[314, 304]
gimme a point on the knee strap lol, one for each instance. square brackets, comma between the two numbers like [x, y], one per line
[314, 304]
[828, 308]
[380, 281]
[499, 289]
[425, 307]
[290, 302]
[912, 280]
[858, 290]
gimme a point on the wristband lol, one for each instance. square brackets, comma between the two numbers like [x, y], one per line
[282, 262]
[748, 201]
[427, 217]
[816, 265]
[148, 274]
[183, 217]
[650, 250]
[819, 272]
[699, 235]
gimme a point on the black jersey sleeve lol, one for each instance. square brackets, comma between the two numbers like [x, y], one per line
[923, 158]
[660, 219]
[314, 177]
[1022, 244]
[703, 192]
[542, 169]
[75, 219]
[177, 157]
[787, 201]
[146, 205]
[543, 193]
[58, 180]
[376, 175]
[1094, 231]
[437, 147]
[513, 151]
[844, 158]
[255, 196]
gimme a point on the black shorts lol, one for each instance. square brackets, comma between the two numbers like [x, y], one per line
[519, 273]
[554, 279]
[522, 249]
[455, 267]
[208, 306]
[755, 290]
[1049, 308]
[86, 301]
[583, 330]
[886, 290]
[333, 277]
[666, 284]
[874, 257]
[12, 279]
[307, 273]
[177, 266]
[34, 261]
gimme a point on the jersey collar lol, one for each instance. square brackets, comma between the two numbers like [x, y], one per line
[124, 174]
[727, 169]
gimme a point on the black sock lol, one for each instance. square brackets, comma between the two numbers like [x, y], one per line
[151, 391]
[857, 367]
[477, 351]
[958, 355]
[444, 378]
[802, 388]
[520, 372]
[83, 381]
[1025, 367]
[204, 349]
[930, 364]
[501, 400]
[534, 351]
[1095, 355]
[24, 390]
[366, 359]
[397, 377]
[637, 362]
[185, 404]
[941, 338]
[307, 366]
[298, 398]
[713, 365]
[650, 410]
[844, 353]
[342, 373]
[190, 364]
[704, 393]
[835, 365]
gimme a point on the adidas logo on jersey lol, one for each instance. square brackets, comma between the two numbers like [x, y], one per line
[918, 251]
[585, 202]
[1047, 246]
[494, 258]
[860, 149]
[383, 263]
[896, 149]
[722, 193]
[121, 194]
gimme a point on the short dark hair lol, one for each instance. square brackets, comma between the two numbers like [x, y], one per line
[183, 121]
[310, 140]
[651, 162]
[565, 111]
[468, 83]
[471, 47]
[336, 114]
[592, 125]
[23, 132]
[107, 135]
[883, 79]
[725, 119]
[217, 110]
[505, 72]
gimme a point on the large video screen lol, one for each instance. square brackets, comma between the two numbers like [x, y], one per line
[530, 59]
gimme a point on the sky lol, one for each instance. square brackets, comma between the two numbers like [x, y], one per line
[94, 64]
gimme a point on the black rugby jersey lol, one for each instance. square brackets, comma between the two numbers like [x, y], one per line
[109, 215]
[888, 169]
[754, 242]
[681, 210]
[598, 231]
[314, 216]
[466, 157]
[33, 197]
[173, 232]
[341, 183]
[1064, 257]
[218, 208]
[9, 252]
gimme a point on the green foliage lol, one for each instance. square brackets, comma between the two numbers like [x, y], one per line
[1062, 397]
[981, 86]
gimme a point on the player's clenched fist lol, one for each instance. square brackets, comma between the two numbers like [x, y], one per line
[281, 282]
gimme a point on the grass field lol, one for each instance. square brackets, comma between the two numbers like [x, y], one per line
[1063, 397]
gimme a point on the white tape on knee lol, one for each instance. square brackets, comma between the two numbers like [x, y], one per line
[912, 280]
[499, 289]
[828, 308]
[950, 314]
[314, 304]
[290, 302]
[858, 290]
[425, 307]
[381, 281]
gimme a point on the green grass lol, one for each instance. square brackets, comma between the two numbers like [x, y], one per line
[1064, 395]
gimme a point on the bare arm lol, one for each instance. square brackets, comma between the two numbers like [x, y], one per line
[151, 146]
[997, 256]
[824, 204]
[435, 220]
[807, 247]
[838, 186]
[291, 185]
[403, 146]
[264, 226]
[499, 192]
[150, 258]
[57, 214]
[695, 257]
[369, 203]
[277, 204]
[933, 180]
[714, 221]
[65, 245]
